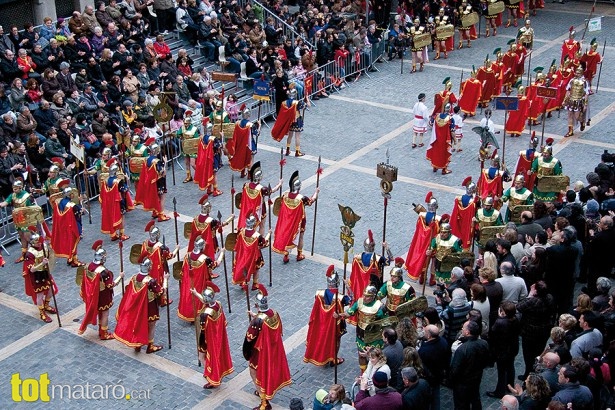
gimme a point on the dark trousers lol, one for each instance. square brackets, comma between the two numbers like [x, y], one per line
[506, 375]
[532, 348]
[166, 19]
[467, 396]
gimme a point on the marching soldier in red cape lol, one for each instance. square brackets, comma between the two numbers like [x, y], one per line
[139, 309]
[248, 254]
[188, 131]
[515, 124]
[464, 210]
[242, 146]
[368, 266]
[536, 102]
[204, 174]
[554, 80]
[471, 90]
[522, 54]
[206, 226]
[442, 134]
[115, 200]
[487, 78]
[152, 185]
[491, 182]
[67, 220]
[39, 283]
[212, 340]
[97, 286]
[514, 9]
[498, 68]
[18, 199]
[196, 272]
[253, 198]
[427, 227]
[591, 59]
[570, 47]
[291, 219]
[158, 254]
[444, 97]
[325, 331]
[263, 348]
[396, 290]
[290, 121]
[524, 163]
[510, 59]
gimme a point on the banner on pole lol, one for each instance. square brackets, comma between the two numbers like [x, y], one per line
[506, 103]
[595, 24]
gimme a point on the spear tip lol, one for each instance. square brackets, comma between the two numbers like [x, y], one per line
[319, 158]
[174, 201]
[219, 214]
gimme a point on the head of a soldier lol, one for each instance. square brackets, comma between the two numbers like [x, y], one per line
[369, 294]
[445, 231]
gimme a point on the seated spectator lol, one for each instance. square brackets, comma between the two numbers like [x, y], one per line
[54, 148]
[8, 130]
[45, 118]
[9, 170]
[18, 95]
[26, 124]
[36, 153]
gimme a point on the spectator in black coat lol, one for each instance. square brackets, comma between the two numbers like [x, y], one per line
[394, 352]
[417, 392]
[504, 346]
[559, 271]
[434, 354]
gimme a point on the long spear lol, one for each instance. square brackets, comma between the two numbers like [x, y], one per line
[269, 203]
[245, 275]
[591, 12]
[282, 163]
[53, 293]
[121, 245]
[228, 295]
[318, 172]
[166, 271]
[86, 180]
[600, 70]
[232, 213]
[175, 214]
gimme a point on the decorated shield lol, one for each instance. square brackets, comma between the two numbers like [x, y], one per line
[230, 241]
[135, 253]
[454, 259]
[470, 19]
[445, 31]
[74, 196]
[410, 307]
[79, 275]
[422, 40]
[495, 8]
[187, 230]
[228, 130]
[177, 270]
[277, 205]
[489, 232]
[27, 216]
[552, 183]
[135, 164]
[373, 331]
[190, 146]
[515, 212]
[163, 112]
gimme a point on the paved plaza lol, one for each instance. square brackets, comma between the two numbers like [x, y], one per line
[352, 131]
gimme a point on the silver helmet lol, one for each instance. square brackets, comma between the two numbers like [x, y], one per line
[113, 169]
[154, 149]
[369, 245]
[54, 169]
[256, 173]
[333, 279]
[18, 184]
[250, 222]
[488, 202]
[495, 160]
[67, 192]
[470, 186]
[153, 230]
[370, 291]
[106, 151]
[205, 205]
[246, 113]
[432, 202]
[35, 239]
[294, 183]
[261, 298]
[292, 94]
[209, 293]
[145, 266]
[100, 254]
[199, 245]
[520, 178]
[445, 227]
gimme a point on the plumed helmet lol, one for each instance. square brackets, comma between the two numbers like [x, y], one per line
[370, 290]
[571, 32]
[136, 139]
[470, 186]
[294, 183]
[154, 149]
[548, 148]
[333, 279]
[219, 104]
[447, 83]
[199, 244]
[100, 254]
[145, 266]
[495, 159]
[594, 45]
[209, 293]
[432, 202]
[533, 140]
[113, 170]
[246, 113]
[368, 244]
[250, 222]
[205, 204]
[261, 298]
[106, 151]
[397, 272]
[154, 231]
[256, 173]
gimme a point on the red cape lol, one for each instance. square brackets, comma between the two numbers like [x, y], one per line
[210, 241]
[591, 60]
[111, 218]
[359, 279]
[285, 119]
[461, 221]
[239, 148]
[204, 168]
[438, 101]
[320, 344]
[272, 373]
[292, 214]
[132, 316]
[65, 235]
[147, 190]
[524, 164]
[489, 187]
[566, 76]
[498, 68]
[156, 257]
[438, 152]
[90, 291]
[416, 259]
[488, 80]
[515, 124]
[553, 103]
[248, 257]
[250, 205]
[191, 278]
[218, 362]
[470, 94]
[510, 61]
[536, 102]
[28, 284]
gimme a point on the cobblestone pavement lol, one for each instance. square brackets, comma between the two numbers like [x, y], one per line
[352, 131]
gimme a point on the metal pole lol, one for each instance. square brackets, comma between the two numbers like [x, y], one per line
[318, 172]
[600, 70]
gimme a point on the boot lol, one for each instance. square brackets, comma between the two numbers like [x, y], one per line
[162, 217]
[298, 152]
[582, 125]
[300, 256]
[445, 55]
[487, 32]
[421, 66]
[265, 405]
[21, 257]
[103, 334]
[413, 68]
[152, 348]
[421, 279]
[286, 259]
[287, 151]
[432, 280]
[43, 315]
[515, 23]
[495, 31]
[243, 173]
[570, 132]
[48, 308]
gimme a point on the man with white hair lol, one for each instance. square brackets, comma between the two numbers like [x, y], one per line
[510, 402]
[454, 313]
[513, 286]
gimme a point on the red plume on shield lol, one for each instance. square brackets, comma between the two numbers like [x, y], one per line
[550, 141]
[203, 199]
[149, 225]
[262, 289]
[370, 235]
[428, 196]
[467, 181]
[97, 245]
[209, 284]
[445, 218]
[330, 270]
